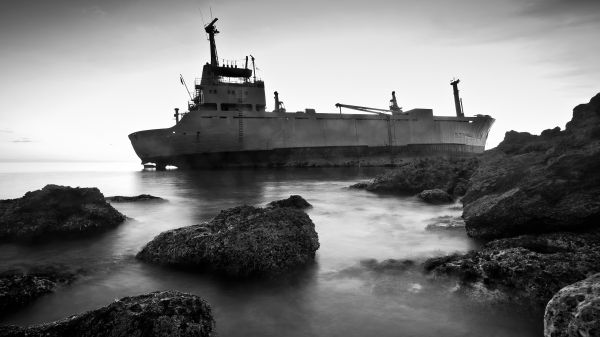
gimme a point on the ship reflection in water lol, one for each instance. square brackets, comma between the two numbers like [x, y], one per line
[342, 295]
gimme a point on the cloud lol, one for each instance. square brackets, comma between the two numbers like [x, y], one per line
[6, 131]
[22, 140]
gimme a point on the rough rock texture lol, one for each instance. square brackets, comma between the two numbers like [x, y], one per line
[527, 269]
[240, 241]
[446, 222]
[450, 175]
[535, 184]
[141, 197]
[575, 310]
[168, 313]
[19, 287]
[56, 211]
[294, 201]
[435, 196]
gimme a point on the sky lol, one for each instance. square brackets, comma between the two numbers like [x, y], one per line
[77, 76]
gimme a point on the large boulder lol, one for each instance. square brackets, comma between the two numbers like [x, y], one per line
[575, 310]
[135, 198]
[435, 196]
[240, 241]
[537, 184]
[450, 175]
[167, 313]
[527, 270]
[56, 211]
[21, 286]
[294, 201]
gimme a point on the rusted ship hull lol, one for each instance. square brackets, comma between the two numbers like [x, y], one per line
[211, 139]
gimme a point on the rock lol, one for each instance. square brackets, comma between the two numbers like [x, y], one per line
[436, 196]
[537, 184]
[165, 313]
[56, 211]
[575, 310]
[240, 241]
[446, 222]
[141, 197]
[527, 270]
[294, 201]
[424, 174]
[19, 287]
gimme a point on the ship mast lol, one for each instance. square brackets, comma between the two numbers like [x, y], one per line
[212, 30]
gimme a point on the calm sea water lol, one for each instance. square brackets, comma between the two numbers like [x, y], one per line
[339, 296]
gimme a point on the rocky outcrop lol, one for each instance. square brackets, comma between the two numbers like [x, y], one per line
[450, 175]
[537, 184]
[241, 241]
[20, 286]
[526, 270]
[436, 196]
[168, 313]
[294, 201]
[141, 197]
[575, 310]
[446, 222]
[56, 211]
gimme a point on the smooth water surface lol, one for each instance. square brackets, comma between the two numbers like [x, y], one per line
[339, 296]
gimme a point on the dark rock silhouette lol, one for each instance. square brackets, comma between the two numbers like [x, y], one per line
[167, 313]
[56, 211]
[450, 175]
[241, 241]
[575, 310]
[294, 201]
[435, 196]
[141, 197]
[528, 269]
[536, 184]
[19, 287]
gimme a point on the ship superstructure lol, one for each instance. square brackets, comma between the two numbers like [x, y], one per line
[227, 125]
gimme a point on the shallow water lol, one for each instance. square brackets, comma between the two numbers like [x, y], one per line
[339, 296]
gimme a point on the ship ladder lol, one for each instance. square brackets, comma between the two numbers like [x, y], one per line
[241, 128]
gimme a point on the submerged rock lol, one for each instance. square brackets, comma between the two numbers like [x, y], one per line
[536, 184]
[436, 196]
[240, 241]
[19, 287]
[56, 211]
[446, 174]
[294, 201]
[141, 197]
[167, 313]
[446, 222]
[575, 310]
[527, 269]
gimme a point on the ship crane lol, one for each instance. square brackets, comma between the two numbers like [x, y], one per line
[394, 108]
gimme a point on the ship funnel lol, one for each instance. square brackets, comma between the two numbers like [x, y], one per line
[457, 100]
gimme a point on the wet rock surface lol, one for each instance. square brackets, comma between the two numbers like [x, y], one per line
[167, 313]
[449, 175]
[537, 184]
[21, 286]
[436, 196]
[56, 211]
[575, 310]
[294, 201]
[526, 270]
[446, 222]
[141, 197]
[241, 241]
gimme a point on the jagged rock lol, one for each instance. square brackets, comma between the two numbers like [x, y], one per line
[446, 222]
[424, 174]
[19, 286]
[536, 184]
[141, 197]
[435, 196]
[527, 270]
[240, 241]
[56, 211]
[166, 313]
[294, 201]
[575, 310]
